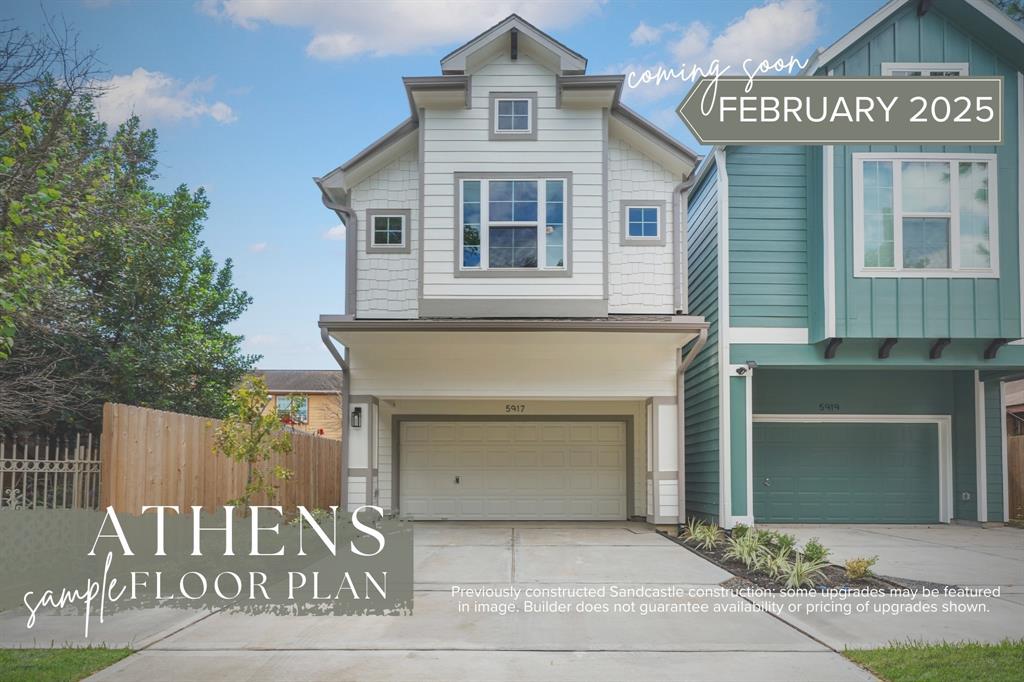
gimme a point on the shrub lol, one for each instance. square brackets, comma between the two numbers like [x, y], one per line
[803, 572]
[319, 515]
[692, 531]
[860, 567]
[775, 564]
[815, 551]
[746, 549]
[709, 536]
[782, 541]
[739, 530]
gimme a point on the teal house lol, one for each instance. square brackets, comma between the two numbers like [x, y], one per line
[865, 302]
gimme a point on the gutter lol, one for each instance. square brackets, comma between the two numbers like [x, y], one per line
[684, 363]
[350, 220]
[680, 271]
[346, 376]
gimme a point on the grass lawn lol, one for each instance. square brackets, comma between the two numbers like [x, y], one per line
[941, 662]
[55, 664]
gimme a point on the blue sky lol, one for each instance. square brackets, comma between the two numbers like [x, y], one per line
[253, 98]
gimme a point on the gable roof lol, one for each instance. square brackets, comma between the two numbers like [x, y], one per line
[981, 8]
[301, 380]
[571, 62]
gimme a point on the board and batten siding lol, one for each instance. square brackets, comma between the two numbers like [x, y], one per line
[386, 283]
[701, 380]
[995, 427]
[568, 141]
[768, 236]
[639, 276]
[929, 307]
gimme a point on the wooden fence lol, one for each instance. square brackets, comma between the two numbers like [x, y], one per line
[1015, 475]
[153, 457]
[49, 472]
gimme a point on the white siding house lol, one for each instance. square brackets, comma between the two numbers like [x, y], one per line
[515, 318]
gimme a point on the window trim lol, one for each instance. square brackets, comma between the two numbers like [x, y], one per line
[955, 271]
[625, 239]
[405, 214]
[888, 67]
[492, 117]
[289, 396]
[459, 271]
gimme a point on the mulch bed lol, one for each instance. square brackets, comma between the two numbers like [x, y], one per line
[834, 576]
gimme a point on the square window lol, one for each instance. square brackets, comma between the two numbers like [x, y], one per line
[512, 116]
[642, 223]
[387, 231]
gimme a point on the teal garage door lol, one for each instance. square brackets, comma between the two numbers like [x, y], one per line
[846, 473]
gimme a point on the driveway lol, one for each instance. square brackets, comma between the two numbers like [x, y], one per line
[440, 642]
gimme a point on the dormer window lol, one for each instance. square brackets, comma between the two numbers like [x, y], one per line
[387, 230]
[513, 116]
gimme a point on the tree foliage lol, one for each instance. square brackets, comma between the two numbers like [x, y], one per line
[252, 435]
[107, 292]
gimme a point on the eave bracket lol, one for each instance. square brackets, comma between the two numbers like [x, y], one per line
[886, 348]
[832, 347]
[993, 348]
[940, 345]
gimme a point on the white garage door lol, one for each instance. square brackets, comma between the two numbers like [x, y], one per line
[513, 470]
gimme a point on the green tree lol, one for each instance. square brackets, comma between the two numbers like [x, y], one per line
[251, 434]
[107, 292]
[1013, 8]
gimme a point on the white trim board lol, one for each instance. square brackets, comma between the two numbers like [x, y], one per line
[788, 335]
[1020, 195]
[980, 447]
[724, 405]
[943, 422]
[828, 210]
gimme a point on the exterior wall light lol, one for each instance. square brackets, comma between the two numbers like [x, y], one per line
[357, 417]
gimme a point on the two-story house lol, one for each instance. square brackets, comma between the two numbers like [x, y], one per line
[516, 326]
[864, 300]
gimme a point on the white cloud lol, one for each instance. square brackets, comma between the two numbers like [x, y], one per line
[258, 247]
[156, 97]
[776, 29]
[341, 30]
[645, 34]
[336, 233]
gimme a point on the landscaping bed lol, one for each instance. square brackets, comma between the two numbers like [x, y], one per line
[773, 560]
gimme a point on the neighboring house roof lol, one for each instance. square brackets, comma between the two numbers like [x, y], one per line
[301, 380]
[963, 9]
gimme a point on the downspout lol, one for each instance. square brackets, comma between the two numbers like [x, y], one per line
[684, 362]
[680, 271]
[325, 336]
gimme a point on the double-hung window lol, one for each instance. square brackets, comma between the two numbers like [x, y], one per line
[920, 215]
[513, 224]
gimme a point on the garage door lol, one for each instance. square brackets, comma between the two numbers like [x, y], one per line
[513, 470]
[846, 473]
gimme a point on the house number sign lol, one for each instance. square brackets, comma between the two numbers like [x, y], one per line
[515, 408]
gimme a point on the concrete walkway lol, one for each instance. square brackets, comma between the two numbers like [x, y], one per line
[440, 642]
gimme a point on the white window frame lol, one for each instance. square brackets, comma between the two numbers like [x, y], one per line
[529, 116]
[371, 233]
[955, 270]
[658, 238]
[927, 69]
[290, 398]
[373, 228]
[539, 224]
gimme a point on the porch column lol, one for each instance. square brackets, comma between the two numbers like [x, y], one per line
[662, 461]
[362, 451]
[738, 448]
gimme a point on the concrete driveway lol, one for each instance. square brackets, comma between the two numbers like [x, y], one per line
[440, 642]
